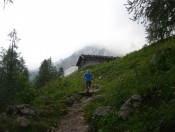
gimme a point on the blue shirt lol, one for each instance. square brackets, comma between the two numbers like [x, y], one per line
[88, 76]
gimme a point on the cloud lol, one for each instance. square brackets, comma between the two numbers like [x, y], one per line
[58, 28]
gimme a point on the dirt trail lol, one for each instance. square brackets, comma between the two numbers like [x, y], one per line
[74, 120]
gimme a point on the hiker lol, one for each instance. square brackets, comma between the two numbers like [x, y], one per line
[88, 77]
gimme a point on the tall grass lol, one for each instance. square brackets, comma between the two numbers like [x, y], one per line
[138, 73]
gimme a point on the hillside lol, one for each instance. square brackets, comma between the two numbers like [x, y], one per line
[136, 94]
[139, 89]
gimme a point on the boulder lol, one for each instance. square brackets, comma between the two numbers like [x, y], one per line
[102, 111]
[130, 106]
[22, 122]
[21, 110]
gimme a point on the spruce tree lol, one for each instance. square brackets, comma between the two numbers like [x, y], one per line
[14, 74]
[46, 73]
[61, 72]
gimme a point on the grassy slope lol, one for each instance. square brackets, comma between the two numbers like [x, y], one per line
[120, 79]
[149, 72]
[51, 103]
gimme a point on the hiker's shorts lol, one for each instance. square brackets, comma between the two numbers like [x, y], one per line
[88, 83]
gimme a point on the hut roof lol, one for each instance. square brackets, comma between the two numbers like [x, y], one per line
[85, 57]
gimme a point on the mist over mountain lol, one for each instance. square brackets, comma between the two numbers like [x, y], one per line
[33, 73]
[69, 63]
[94, 50]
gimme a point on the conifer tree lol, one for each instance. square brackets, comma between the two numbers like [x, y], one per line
[46, 73]
[61, 72]
[14, 74]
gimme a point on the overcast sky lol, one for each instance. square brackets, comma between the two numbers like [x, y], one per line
[57, 28]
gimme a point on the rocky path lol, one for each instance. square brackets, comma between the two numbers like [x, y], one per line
[74, 120]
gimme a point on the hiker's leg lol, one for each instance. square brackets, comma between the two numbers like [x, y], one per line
[88, 88]
[87, 85]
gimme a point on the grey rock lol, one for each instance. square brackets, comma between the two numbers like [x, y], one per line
[102, 111]
[21, 110]
[23, 122]
[130, 106]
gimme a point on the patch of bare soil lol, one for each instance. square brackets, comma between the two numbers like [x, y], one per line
[74, 120]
